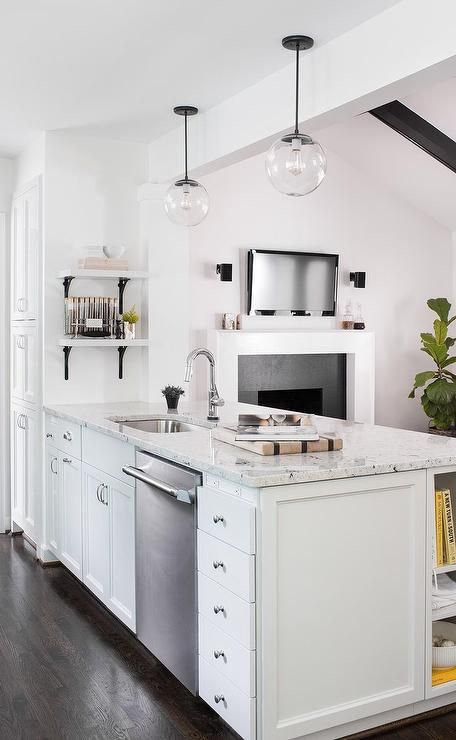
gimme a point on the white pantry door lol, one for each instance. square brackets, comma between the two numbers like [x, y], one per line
[342, 574]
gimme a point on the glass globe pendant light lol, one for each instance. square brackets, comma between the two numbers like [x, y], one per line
[186, 202]
[296, 164]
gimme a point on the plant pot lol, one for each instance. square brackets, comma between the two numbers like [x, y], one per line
[172, 402]
[130, 331]
[451, 432]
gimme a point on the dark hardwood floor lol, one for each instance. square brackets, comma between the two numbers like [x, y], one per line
[70, 671]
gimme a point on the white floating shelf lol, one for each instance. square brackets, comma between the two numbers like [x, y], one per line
[102, 342]
[104, 274]
[444, 568]
[444, 613]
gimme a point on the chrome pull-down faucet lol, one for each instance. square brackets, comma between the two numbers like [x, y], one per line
[214, 399]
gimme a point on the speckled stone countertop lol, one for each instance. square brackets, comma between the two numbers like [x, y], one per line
[368, 449]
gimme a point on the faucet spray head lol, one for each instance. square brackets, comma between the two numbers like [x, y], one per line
[188, 372]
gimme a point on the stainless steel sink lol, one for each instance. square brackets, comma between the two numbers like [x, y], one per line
[158, 425]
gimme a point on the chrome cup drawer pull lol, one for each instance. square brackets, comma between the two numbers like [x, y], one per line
[218, 698]
[219, 654]
[218, 609]
[218, 518]
[218, 564]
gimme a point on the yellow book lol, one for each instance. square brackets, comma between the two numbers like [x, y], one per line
[448, 674]
[439, 528]
[448, 528]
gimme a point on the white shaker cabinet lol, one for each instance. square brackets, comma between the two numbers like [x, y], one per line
[109, 542]
[96, 532]
[52, 494]
[25, 471]
[25, 371]
[63, 498]
[25, 252]
[343, 600]
[70, 504]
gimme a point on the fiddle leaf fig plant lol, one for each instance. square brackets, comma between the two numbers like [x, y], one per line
[439, 385]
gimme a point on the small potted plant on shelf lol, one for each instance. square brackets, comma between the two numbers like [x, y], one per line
[172, 393]
[439, 395]
[130, 319]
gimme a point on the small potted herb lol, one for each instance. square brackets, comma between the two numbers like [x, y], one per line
[130, 319]
[172, 393]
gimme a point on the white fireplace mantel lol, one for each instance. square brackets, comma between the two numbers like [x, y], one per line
[357, 345]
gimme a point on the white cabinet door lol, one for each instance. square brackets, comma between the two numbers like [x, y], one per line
[52, 483]
[25, 477]
[342, 601]
[25, 249]
[121, 506]
[25, 371]
[95, 532]
[70, 504]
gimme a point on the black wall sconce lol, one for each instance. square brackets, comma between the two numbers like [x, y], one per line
[225, 270]
[358, 279]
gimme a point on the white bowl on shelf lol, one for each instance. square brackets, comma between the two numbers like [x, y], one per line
[444, 657]
[113, 252]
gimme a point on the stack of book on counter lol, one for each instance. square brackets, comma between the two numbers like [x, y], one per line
[278, 434]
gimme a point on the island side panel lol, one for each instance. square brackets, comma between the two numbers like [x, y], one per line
[342, 573]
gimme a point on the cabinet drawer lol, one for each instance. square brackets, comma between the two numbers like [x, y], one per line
[64, 434]
[227, 565]
[228, 518]
[236, 708]
[227, 655]
[107, 454]
[227, 611]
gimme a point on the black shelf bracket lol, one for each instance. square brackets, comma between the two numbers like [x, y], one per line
[122, 285]
[66, 285]
[121, 351]
[66, 352]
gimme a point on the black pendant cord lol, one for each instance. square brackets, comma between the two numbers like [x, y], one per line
[297, 91]
[185, 148]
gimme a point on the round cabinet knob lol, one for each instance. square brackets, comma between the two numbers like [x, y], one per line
[219, 654]
[218, 564]
[218, 518]
[68, 436]
[218, 698]
[218, 609]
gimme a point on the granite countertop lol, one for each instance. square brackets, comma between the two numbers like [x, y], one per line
[368, 449]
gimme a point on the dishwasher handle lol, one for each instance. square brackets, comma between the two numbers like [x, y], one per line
[184, 496]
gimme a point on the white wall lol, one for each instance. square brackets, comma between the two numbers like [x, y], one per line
[90, 199]
[407, 257]
[6, 187]
[30, 162]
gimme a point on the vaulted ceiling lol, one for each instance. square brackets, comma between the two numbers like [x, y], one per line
[117, 68]
[408, 171]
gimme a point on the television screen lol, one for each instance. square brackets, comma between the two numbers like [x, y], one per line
[298, 282]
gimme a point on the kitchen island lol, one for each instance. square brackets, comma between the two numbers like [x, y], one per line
[314, 571]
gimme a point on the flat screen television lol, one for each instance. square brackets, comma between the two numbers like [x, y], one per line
[300, 283]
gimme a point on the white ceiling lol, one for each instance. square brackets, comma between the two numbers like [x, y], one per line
[117, 67]
[392, 160]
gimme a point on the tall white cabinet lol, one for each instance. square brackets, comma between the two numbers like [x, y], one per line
[25, 357]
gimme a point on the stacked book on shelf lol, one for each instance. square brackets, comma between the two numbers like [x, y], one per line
[102, 263]
[444, 551]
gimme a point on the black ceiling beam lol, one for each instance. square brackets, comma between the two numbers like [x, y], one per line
[420, 132]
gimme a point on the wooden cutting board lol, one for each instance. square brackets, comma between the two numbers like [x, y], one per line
[324, 444]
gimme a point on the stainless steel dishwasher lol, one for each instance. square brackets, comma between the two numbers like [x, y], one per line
[166, 603]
